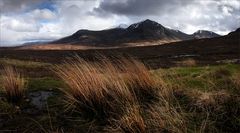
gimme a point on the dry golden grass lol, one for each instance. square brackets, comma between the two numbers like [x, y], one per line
[96, 92]
[13, 84]
[166, 115]
[165, 118]
[188, 62]
[140, 81]
[236, 80]
[220, 73]
[117, 94]
[132, 122]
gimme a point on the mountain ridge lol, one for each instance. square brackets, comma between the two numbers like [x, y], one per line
[225, 44]
[144, 31]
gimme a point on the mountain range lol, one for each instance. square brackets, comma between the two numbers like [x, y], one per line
[144, 31]
[208, 50]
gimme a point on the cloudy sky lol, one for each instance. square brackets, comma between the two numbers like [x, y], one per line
[38, 20]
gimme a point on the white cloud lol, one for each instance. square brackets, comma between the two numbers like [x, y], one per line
[18, 24]
[12, 37]
[232, 3]
[42, 14]
[33, 25]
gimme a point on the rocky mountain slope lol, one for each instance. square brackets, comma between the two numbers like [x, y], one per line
[204, 34]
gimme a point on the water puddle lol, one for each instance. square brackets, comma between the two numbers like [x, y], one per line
[1, 123]
[235, 61]
[39, 98]
[185, 55]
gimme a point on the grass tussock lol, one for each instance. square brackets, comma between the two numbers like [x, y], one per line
[114, 93]
[209, 100]
[98, 94]
[221, 73]
[188, 62]
[165, 118]
[132, 122]
[140, 81]
[13, 84]
[236, 81]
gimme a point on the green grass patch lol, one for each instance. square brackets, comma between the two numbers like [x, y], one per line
[205, 78]
[46, 83]
[191, 71]
[23, 63]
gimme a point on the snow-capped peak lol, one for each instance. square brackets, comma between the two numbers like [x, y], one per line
[205, 34]
[122, 26]
[147, 22]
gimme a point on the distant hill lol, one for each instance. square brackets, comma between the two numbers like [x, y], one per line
[235, 33]
[204, 34]
[35, 43]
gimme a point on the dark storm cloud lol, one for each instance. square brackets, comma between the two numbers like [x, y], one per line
[13, 6]
[139, 7]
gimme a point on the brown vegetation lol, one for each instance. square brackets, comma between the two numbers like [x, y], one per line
[188, 62]
[116, 94]
[92, 92]
[13, 84]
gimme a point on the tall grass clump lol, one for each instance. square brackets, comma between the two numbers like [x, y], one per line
[117, 94]
[188, 62]
[165, 118]
[13, 84]
[220, 73]
[140, 81]
[236, 81]
[132, 121]
[94, 92]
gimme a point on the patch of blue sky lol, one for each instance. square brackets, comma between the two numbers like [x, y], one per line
[44, 21]
[47, 4]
